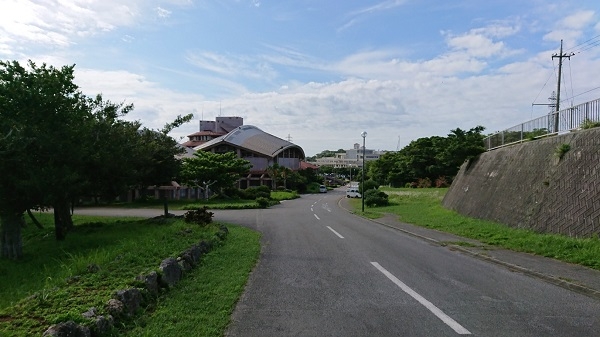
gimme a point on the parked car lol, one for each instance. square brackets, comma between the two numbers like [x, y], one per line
[322, 189]
[352, 192]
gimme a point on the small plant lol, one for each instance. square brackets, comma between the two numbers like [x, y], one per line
[588, 124]
[561, 150]
[200, 216]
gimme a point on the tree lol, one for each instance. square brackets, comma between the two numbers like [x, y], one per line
[57, 145]
[213, 170]
[429, 158]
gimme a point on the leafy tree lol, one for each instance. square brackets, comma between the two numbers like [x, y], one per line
[213, 170]
[57, 145]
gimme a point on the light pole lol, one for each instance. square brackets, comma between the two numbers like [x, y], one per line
[362, 184]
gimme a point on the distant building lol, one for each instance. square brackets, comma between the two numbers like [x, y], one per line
[210, 130]
[351, 158]
[261, 149]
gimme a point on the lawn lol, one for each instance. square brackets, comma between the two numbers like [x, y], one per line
[58, 281]
[422, 207]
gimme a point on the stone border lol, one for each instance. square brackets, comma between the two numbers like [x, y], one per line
[126, 303]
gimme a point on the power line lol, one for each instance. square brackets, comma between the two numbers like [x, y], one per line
[589, 44]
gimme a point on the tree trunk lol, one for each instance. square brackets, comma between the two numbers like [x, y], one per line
[62, 220]
[11, 241]
[165, 203]
[35, 221]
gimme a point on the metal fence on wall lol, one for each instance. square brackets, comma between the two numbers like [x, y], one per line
[565, 120]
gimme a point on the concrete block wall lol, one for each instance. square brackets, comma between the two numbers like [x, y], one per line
[528, 186]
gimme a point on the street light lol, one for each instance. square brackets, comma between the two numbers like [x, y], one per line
[362, 184]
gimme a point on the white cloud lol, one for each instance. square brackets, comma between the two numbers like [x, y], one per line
[163, 13]
[570, 28]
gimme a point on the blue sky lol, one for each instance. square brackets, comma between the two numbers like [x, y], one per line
[318, 72]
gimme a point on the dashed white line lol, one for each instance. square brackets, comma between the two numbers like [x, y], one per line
[336, 233]
[316, 216]
[435, 310]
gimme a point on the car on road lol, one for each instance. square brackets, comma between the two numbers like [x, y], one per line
[353, 192]
[322, 189]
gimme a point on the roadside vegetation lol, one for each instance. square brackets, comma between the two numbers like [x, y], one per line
[56, 281]
[422, 207]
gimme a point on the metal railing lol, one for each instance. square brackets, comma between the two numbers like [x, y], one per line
[565, 120]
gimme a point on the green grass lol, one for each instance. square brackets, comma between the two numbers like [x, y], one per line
[187, 204]
[422, 207]
[52, 282]
[203, 301]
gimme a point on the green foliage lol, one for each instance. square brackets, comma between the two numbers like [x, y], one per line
[263, 202]
[375, 197]
[253, 193]
[430, 158]
[216, 284]
[589, 124]
[59, 145]
[561, 150]
[199, 216]
[213, 170]
[38, 291]
[368, 185]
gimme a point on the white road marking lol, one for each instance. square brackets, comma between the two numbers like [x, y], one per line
[311, 209]
[435, 310]
[336, 233]
[316, 216]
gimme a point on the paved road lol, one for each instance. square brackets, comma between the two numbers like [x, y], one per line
[325, 272]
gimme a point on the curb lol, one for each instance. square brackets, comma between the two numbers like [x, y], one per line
[584, 290]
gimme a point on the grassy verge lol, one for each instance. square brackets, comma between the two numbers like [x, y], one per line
[422, 207]
[187, 204]
[54, 281]
[202, 303]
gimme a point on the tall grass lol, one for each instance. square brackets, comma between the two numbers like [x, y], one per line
[422, 207]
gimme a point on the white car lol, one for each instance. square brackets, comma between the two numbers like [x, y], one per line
[322, 189]
[353, 192]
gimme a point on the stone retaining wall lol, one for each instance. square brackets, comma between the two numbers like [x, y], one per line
[528, 185]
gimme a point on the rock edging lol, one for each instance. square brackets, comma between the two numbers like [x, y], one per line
[126, 303]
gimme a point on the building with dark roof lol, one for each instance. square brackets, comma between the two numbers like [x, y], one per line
[261, 149]
[210, 130]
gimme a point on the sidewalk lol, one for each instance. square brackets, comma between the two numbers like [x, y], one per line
[570, 276]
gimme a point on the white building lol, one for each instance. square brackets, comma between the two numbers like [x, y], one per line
[351, 158]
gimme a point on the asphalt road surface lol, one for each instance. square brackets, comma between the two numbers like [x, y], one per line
[326, 272]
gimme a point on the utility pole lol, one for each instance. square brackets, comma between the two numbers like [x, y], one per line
[560, 57]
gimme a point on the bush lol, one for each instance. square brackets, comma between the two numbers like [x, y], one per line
[200, 216]
[253, 193]
[369, 185]
[441, 182]
[263, 202]
[424, 183]
[376, 198]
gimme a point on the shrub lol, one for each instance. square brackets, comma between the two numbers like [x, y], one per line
[376, 198]
[200, 216]
[263, 202]
[252, 193]
[424, 183]
[441, 182]
[369, 185]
